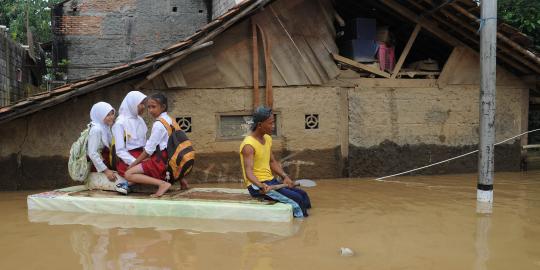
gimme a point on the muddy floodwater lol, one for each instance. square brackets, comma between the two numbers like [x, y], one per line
[416, 222]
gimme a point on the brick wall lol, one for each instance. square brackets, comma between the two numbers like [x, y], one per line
[78, 25]
[96, 35]
[12, 57]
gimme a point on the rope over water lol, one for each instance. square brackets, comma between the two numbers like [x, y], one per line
[460, 156]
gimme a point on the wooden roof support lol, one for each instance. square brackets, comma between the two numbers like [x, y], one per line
[500, 36]
[175, 58]
[353, 63]
[470, 36]
[425, 23]
[406, 50]
[255, 65]
[435, 9]
[507, 50]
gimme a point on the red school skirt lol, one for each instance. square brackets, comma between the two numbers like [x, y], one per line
[156, 167]
[105, 152]
[121, 166]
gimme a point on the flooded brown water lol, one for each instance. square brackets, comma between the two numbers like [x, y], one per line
[420, 222]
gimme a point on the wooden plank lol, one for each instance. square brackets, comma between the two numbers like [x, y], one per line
[450, 65]
[174, 78]
[234, 56]
[309, 29]
[255, 70]
[175, 58]
[286, 56]
[406, 51]
[353, 63]
[428, 25]
[306, 65]
[200, 71]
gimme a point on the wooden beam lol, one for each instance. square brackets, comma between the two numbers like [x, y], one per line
[255, 70]
[353, 63]
[406, 51]
[500, 36]
[516, 65]
[468, 36]
[425, 23]
[175, 58]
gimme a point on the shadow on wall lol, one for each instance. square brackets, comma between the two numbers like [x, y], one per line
[22, 172]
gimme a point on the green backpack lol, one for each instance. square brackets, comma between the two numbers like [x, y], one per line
[78, 164]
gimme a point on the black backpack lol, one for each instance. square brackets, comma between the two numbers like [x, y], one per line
[180, 152]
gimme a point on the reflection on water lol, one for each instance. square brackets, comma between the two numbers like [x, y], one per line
[420, 222]
[483, 223]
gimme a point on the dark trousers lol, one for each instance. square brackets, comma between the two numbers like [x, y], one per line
[299, 196]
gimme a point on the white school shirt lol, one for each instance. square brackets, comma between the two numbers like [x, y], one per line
[135, 137]
[158, 135]
[95, 145]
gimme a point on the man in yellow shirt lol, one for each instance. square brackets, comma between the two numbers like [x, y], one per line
[258, 162]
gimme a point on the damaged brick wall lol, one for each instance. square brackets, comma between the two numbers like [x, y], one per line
[95, 35]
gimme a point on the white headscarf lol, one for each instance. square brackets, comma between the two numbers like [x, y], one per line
[129, 117]
[98, 113]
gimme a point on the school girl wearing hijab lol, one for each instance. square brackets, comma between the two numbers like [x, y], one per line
[98, 148]
[100, 138]
[129, 133]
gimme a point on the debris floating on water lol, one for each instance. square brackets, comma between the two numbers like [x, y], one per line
[346, 252]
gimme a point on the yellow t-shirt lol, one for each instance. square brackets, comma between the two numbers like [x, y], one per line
[261, 159]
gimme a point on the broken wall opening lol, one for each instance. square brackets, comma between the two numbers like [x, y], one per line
[377, 36]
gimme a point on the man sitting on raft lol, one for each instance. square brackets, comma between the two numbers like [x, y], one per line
[258, 163]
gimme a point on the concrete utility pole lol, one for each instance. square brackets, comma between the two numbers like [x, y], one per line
[488, 58]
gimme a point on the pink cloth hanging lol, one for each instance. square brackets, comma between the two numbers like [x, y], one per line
[386, 57]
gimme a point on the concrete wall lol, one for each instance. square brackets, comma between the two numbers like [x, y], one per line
[96, 34]
[396, 129]
[221, 6]
[12, 59]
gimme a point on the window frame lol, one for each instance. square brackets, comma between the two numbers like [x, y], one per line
[220, 137]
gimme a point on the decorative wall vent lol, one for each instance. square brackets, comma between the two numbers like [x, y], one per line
[312, 121]
[184, 123]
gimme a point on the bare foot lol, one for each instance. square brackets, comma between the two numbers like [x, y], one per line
[163, 187]
[183, 184]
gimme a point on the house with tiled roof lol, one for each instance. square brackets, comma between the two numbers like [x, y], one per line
[359, 88]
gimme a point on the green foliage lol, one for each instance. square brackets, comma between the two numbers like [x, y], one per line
[524, 15]
[13, 14]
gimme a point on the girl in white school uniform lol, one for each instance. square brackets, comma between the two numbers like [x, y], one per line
[100, 138]
[152, 170]
[129, 134]
[99, 147]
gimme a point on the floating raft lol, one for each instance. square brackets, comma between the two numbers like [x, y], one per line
[207, 203]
